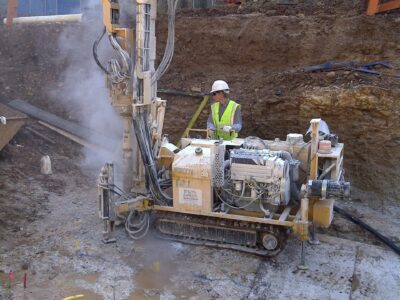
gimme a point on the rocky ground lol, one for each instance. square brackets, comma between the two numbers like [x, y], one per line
[261, 49]
[51, 232]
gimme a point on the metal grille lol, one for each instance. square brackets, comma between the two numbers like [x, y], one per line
[218, 154]
[146, 42]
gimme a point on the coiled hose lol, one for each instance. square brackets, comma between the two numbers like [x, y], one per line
[139, 229]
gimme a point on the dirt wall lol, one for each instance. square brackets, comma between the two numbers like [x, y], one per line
[262, 58]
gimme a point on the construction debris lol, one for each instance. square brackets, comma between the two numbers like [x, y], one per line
[71, 130]
[11, 122]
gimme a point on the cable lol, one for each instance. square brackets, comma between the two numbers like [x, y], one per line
[237, 207]
[143, 137]
[118, 73]
[94, 50]
[169, 48]
[249, 139]
[143, 225]
[364, 225]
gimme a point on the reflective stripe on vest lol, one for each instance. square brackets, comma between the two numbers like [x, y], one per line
[227, 119]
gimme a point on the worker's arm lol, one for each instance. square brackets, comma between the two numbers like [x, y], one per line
[210, 122]
[237, 120]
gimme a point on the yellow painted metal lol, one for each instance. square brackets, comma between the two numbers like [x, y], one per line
[300, 227]
[75, 297]
[194, 118]
[167, 154]
[108, 8]
[227, 216]
[192, 180]
[139, 204]
[247, 213]
[323, 212]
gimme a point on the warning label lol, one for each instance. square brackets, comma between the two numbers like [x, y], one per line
[190, 196]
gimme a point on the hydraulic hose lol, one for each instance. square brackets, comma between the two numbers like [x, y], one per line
[95, 55]
[143, 137]
[364, 225]
[139, 230]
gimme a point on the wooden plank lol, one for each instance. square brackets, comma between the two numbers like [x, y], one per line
[372, 7]
[15, 120]
[314, 148]
[336, 152]
[8, 131]
[40, 135]
[389, 6]
[375, 6]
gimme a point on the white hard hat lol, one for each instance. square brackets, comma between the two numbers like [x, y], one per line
[219, 85]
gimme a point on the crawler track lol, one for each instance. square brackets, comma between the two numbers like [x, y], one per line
[221, 233]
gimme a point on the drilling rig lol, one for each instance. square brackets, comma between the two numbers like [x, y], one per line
[247, 194]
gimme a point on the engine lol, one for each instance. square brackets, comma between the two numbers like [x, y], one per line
[263, 175]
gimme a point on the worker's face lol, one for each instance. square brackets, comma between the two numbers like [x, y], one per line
[219, 96]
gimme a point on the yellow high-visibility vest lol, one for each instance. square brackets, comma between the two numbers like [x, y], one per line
[226, 120]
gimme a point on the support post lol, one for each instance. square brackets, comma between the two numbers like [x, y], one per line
[372, 7]
[314, 170]
[303, 237]
[313, 240]
[314, 148]
[11, 11]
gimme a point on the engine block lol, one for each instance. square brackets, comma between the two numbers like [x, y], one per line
[261, 171]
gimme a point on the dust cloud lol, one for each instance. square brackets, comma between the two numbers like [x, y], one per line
[82, 89]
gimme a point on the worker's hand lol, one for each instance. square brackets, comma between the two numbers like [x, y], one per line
[227, 128]
[3, 120]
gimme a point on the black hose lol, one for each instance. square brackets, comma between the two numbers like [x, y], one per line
[94, 49]
[364, 225]
[143, 137]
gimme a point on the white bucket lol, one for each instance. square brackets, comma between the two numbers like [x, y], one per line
[45, 165]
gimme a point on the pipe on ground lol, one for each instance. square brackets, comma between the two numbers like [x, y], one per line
[364, 225]
[47, 19]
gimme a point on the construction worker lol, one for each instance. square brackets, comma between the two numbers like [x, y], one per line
[225, 119]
